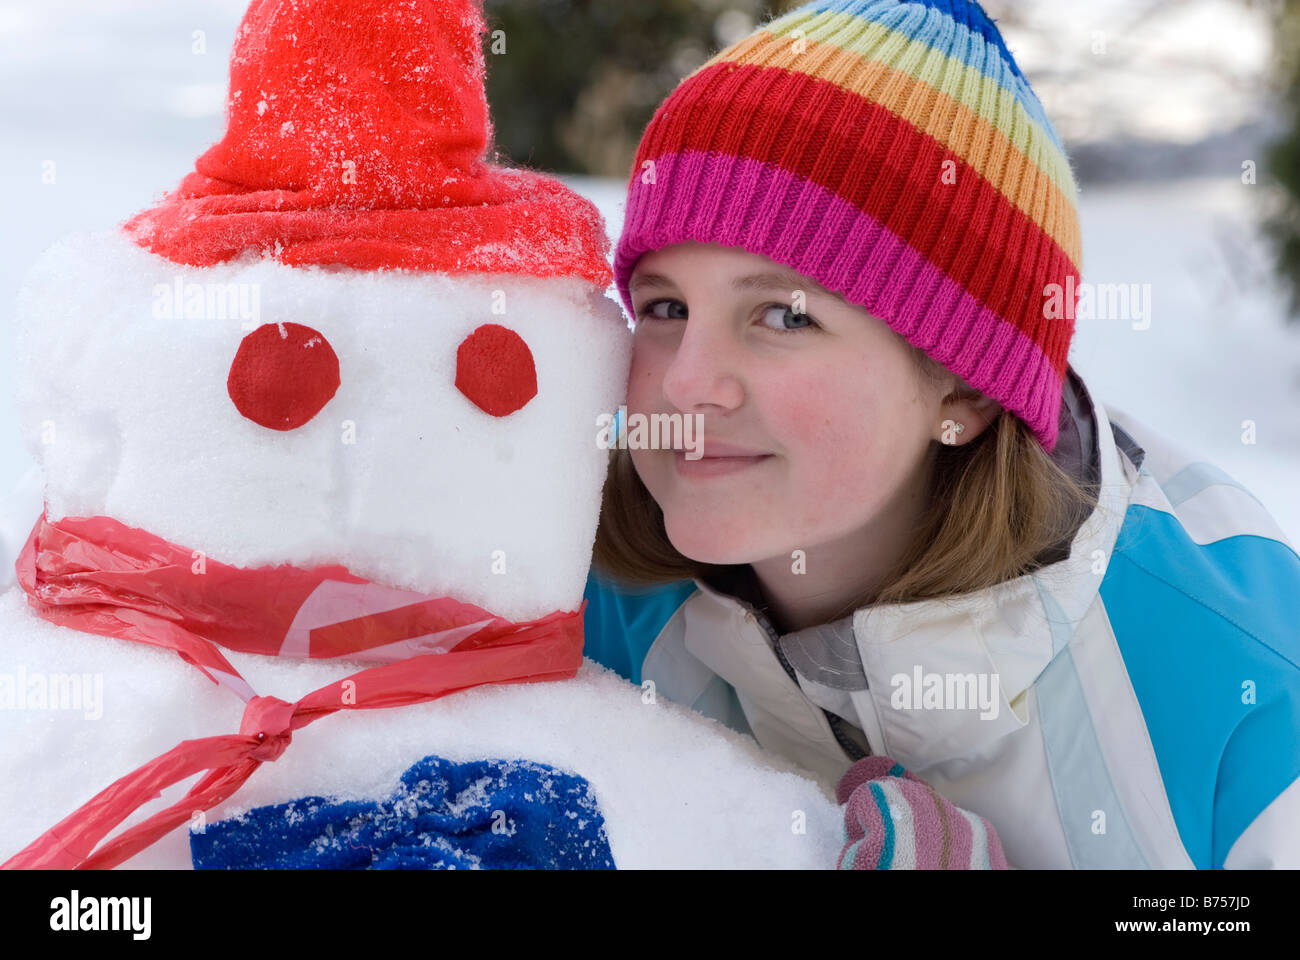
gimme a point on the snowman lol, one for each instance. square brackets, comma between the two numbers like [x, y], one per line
[318, 437]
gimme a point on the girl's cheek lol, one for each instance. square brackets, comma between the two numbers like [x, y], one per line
[839, 427]
[646, 373]
[806, 412]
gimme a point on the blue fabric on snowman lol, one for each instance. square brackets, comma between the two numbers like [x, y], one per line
[481, 814]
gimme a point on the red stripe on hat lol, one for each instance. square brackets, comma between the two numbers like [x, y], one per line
[895, 176]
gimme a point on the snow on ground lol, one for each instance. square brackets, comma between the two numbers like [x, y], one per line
[1217, 356]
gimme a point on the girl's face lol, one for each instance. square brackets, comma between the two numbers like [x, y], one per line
[828, 398]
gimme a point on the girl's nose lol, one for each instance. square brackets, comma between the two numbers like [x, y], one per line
[705, 369]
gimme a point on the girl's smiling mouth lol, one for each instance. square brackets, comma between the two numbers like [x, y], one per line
[714, 466]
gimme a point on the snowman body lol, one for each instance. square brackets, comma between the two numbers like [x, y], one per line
[409, 462]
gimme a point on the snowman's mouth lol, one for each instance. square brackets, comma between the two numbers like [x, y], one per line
[325, 612]
[389, 631]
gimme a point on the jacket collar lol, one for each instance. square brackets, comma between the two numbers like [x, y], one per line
[1010, 631]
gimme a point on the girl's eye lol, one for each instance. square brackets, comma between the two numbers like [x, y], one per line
[785, 315]
[787, 321]
[653, 309]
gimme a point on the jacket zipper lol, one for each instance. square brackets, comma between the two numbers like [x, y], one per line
[846, 743]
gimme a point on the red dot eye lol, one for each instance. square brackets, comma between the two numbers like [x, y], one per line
[495, 370]
[282, 375]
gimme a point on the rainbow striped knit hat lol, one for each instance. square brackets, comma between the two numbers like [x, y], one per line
[893, 152]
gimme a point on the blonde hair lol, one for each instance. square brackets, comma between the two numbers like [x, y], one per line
[999, 507]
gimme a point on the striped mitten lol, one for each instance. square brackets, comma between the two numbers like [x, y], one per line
[894, 820]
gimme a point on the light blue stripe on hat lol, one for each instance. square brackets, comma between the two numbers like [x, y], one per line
[931, 22]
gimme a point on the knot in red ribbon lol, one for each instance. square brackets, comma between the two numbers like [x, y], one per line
[270, 720]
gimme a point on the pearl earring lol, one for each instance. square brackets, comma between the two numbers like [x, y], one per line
[957, 427]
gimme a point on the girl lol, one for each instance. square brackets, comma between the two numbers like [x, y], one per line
[913, 532]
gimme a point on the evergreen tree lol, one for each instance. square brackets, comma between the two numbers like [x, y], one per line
[1283, 158]
[573, 83]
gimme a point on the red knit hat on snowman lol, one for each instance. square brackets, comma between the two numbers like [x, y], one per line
[369, 154]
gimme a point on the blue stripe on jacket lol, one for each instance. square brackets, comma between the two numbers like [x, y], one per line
[621, 623]
[1201, 627]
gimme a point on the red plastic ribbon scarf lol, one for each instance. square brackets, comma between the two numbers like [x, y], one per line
[100, 576]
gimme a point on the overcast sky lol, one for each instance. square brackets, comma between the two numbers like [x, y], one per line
[1193, 68]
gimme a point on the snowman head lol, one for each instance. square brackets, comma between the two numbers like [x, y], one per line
[345, 338]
